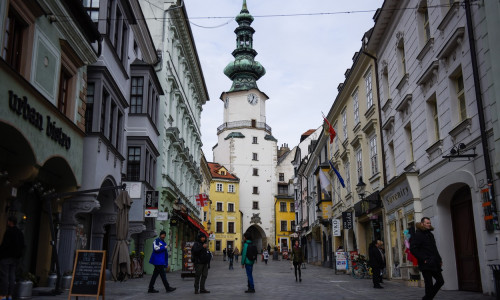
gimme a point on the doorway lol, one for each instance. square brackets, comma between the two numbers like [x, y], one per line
[464, 235]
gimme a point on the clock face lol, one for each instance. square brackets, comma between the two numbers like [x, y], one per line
[253, 98]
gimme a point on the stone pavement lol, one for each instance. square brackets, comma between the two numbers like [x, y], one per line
[272, 281]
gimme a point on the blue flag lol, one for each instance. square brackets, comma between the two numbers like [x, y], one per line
[338, 174]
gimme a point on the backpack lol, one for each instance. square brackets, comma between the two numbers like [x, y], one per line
[251, 252]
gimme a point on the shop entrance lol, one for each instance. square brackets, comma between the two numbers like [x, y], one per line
[465, 241]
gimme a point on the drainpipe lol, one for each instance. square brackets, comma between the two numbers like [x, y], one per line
[480, 109]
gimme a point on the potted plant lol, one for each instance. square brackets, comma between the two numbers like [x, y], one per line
[24, 286]
[66, 280]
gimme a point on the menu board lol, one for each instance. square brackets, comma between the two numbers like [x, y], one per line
[88, 274]
[187, 261]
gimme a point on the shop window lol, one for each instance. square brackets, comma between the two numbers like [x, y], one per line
[134, 163]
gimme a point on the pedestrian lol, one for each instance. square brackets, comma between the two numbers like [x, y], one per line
[266, 256]
[377, 262]
[224, 254]
[159, 259]
[11, 251]
[246, 262]
[236, 253]
[423, 247]
[201, 258]
[297, 259]
[268, 248]
[230, 257]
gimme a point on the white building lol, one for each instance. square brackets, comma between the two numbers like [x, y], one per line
[434, 137]
[245, 144]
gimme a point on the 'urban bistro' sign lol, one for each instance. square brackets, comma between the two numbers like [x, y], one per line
[21, 107]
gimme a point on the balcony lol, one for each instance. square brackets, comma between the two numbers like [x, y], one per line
[244, 124]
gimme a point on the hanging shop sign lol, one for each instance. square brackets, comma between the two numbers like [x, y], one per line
[151, 213]
[152, 199]
[347, 220]
[336, 227]
[162, 216]
[21, 107]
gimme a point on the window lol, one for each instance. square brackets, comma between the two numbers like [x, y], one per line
[255, 205]
[64, 86]
[255, 190]
[255, 172]
[218, 246]
[219, 227]
[230, 207]
[111, 122]
[347, 176]
[254, 140]
[230, 188]
[459, 82]
[104, 100]
[218, 187]
[284, 226]
[369, 90]
[402, 57]
[373, 155]
[292, 207]
[359, 162]
[136, 95]
[282, 176]
[120, 130]
[134, 164]
[118, 19]
[254, 156]
[219, 206]
[385, 82]
[292, 225]
[282, 189]
[282, 206]
[230, 227]
[424, 18]
[108, 16]
[392, 161]
[92, 8]
[89, 110]
[355, 104]
[344, 123]
[336, 140]
[204, 216]
[12, 50]
[123, 42]
[409, 143]
[434, 117]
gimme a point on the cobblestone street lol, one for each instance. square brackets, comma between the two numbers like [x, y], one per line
[272, 281]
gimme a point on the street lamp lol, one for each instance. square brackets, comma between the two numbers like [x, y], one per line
[360, 188]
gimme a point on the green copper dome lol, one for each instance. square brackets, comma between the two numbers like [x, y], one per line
[244, 71]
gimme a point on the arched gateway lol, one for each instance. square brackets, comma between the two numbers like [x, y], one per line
[258, 236]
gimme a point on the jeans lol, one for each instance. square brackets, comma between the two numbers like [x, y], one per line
[201, 273]
[249, 269]
[236, 257]
[230, 263]
[7, 276]
[430, 288]
[296, 266]
[159, 270]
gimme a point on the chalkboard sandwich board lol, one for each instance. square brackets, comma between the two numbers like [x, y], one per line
[88, 274]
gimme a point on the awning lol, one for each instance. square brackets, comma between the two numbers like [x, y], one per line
[194, 223]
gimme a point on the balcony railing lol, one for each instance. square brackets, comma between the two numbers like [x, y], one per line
[244, 124]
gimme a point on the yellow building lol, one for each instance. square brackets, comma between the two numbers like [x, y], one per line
[222, 216]
[284, 208]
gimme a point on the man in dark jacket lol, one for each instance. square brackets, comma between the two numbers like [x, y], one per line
[159, 259]
[201, 258]
[11, 250]
[377, 262]
[423, 247]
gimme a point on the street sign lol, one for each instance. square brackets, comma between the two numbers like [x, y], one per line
[336, 227]
[162, 216]
[347, 220]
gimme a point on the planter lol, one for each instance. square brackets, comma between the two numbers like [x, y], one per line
[24, 289]
[66, 282]
[51, 281]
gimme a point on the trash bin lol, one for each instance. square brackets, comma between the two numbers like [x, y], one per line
[496, 276]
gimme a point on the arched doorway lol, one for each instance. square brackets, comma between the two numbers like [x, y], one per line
[464, 235]
[258, 236]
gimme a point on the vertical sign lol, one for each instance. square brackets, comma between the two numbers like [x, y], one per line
[152, 199]
[347, 220]
[336, 227]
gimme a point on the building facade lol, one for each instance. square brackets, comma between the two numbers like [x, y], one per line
[43, 71]
[245, 145]
[284, 202]
[223, 210]
[178, 173]
[437, 107]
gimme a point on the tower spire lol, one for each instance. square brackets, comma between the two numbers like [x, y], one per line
[244, 71]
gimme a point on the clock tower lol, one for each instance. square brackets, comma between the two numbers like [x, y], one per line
[245, 145]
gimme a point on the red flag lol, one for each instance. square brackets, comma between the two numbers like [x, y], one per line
[201, 200]
[330, 131]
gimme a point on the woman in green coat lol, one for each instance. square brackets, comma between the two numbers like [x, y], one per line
[298, 259]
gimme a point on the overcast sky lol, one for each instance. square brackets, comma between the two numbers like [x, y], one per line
[305, 57]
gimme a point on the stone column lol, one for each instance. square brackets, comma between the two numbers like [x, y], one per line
[67, 237]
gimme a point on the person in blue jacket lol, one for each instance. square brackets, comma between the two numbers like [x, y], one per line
[159, 258]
